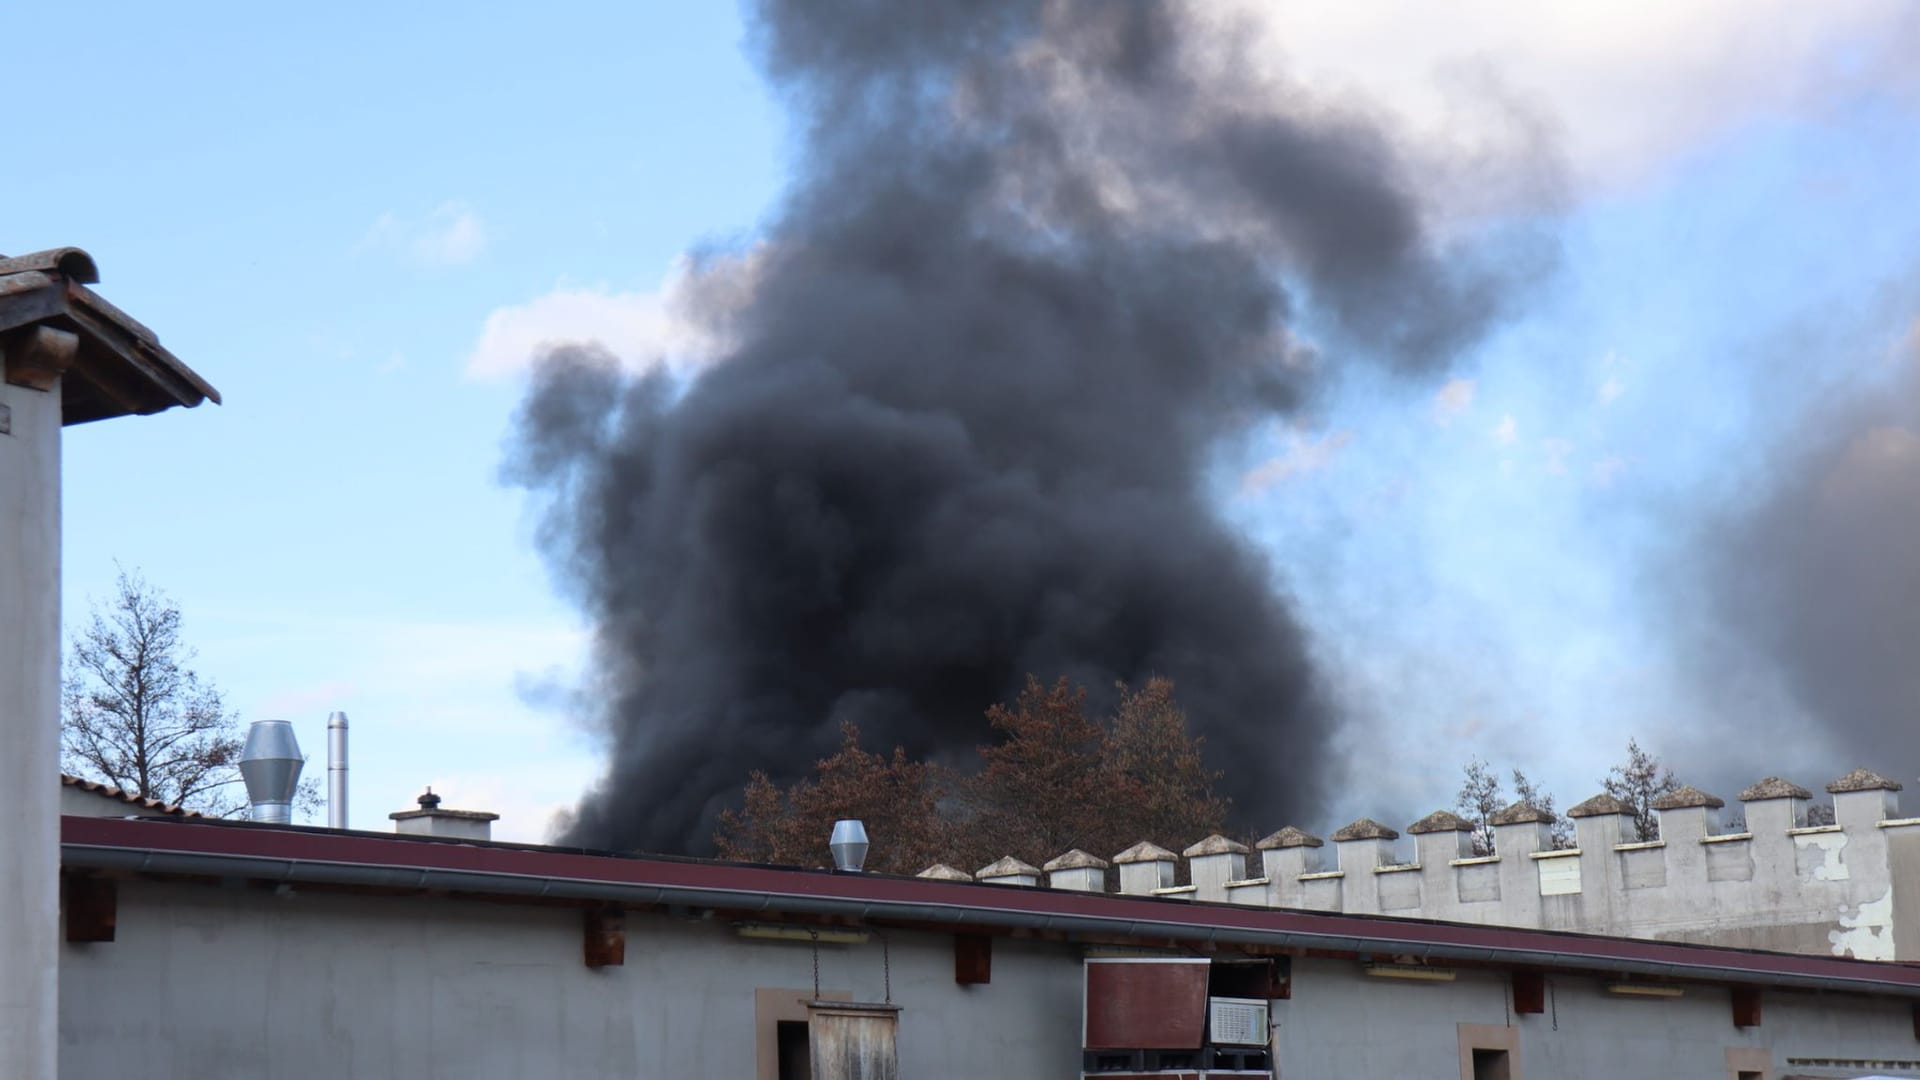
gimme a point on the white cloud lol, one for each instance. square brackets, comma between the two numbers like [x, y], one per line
[1506, 431]
[1611, 389]
[681, 324]
[1303, 455]
[1627, 86]
[1453, 399]
[451, 234]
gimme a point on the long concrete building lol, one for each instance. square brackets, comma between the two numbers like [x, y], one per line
[195, 948]
[1848, 888]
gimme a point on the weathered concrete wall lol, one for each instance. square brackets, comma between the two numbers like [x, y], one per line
[1340, 1023]
[29, 726]
[1847, 889]
[208, 981]
[204, 982]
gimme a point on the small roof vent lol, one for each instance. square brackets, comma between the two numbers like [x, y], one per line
[849, 845]
[270, 763]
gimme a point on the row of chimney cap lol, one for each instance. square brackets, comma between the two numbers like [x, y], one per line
[1686, 797]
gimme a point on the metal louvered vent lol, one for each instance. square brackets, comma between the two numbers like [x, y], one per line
[1237, 1021]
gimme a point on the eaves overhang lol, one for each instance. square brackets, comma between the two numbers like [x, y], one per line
[109, 364]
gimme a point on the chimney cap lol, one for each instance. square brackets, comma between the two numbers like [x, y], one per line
[1145, 851]
[1687, 797]
[1006, 866]
[429, 800]
[1365, 829]
[1773, 787]
[1440, 821]
[1289, 837]
[1598, 806]
[1215, 845]
[1075, 860]
[1862, 780]
[942, 872]
[1522, 813]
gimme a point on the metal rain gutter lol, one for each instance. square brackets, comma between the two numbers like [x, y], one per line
[308, 871]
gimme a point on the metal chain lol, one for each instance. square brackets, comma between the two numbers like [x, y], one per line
[1555, 998]
[886, 967]
[814, 933]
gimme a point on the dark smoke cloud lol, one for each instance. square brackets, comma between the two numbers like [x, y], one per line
[1028, 277]
[1815, 581]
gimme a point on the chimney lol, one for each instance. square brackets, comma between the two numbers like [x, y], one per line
[849, 845]
[270, 763]
[337, 771]
[430, 820]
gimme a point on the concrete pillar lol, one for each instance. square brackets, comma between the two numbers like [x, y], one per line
[1009, 871]
[1359, 848]
[1078, 871]
[1518, 832]
[1212, 863]
[1144, 867]
[1284, 856]
[1863, 799]
[29, 729]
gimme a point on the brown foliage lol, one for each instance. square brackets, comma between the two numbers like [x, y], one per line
[1056, 779]
[896, 797]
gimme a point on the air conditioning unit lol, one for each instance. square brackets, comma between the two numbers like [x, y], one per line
[1236, 1021]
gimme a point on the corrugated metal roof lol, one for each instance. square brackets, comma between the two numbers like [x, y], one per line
[118, 365]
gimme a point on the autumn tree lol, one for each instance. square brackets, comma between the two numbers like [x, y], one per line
[1043, 788]
[1640, 780]
[1524, 790]
[897, 798]
[1054, 779]
[1151, 753]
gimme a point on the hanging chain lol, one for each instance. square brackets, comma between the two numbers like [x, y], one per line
[886, 967]
[1555, 998]
[814, 933]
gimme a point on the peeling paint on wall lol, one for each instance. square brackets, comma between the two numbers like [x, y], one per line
[1818, 855]
[1868, 933]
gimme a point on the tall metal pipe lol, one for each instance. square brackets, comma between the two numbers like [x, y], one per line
[270, 763]
[337, 770]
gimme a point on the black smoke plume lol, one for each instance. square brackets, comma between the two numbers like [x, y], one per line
[1028, 276]
[1813, 582]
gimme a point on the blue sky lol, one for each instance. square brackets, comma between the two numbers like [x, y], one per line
[357, 226]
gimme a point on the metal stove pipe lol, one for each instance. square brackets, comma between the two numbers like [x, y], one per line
[337, 771]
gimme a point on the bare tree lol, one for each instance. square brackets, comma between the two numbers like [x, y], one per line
[1638, 782]
[139, 718]
[1527, 792]
[1480, 798]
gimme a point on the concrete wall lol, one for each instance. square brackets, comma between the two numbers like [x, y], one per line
[29, 725]
[208, 981]
[1847, 889]
[1343, 1024]
[204, 983]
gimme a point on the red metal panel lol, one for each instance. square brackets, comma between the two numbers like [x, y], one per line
[1146, 1004]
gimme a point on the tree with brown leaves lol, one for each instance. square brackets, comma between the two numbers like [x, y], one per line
[896, 797]
[1056, 779]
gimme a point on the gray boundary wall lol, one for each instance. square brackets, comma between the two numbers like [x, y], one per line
[1851, 888]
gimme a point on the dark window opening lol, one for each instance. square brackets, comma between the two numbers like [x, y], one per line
[1263, 978]
[1490, 1065]
[1751, 1074]
[796, 1056]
